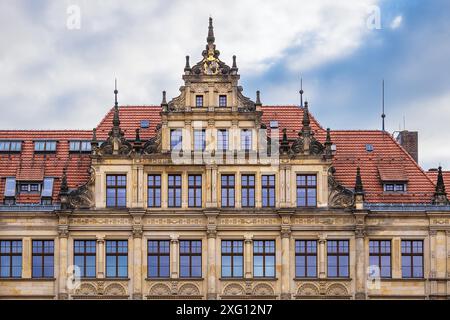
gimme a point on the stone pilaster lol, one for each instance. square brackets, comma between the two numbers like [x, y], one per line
[360, 256]
[285, 255]
[101, 257]
[322, 257]
[137, 231]
[248, 242]
[211, 269]
[63, 235]
[174, 257]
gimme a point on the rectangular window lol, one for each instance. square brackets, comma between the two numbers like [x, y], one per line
[116, 258]
[338, 258]
[10, 258]
[199, 101]
[80, 146]
[116, 190]
[10, 146]
[268, 191]
[394, 187]
[227, 187]
[246, 139]
[222, 101]
[380, 256]
[84, 256]
[25, 187]
[158, 259]
[174, 189]
[222, 140]
[195, 191]
[176, 139]
[232, 259]
[190, 259]
[47, 190]
[199, 140]
[306, 190]
[306, 259]
[412, 259]
[10, 187]
[248, 190]
[264, 258]
[154, 191]
[43, 259]
[45, 146]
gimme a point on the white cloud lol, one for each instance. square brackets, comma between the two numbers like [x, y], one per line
[53, 77]
[397, 22]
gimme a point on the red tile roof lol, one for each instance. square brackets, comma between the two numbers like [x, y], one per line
[351, 152]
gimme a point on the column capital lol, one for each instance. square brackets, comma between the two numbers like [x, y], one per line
[63, 231]
[137, 231]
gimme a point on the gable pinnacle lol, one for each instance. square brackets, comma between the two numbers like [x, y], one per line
[359, 189]
[306, 122]
[210, 39]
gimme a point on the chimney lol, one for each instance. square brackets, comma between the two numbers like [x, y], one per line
[409, 140]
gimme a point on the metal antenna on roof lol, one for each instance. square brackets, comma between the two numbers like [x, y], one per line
[301, 92]
[383, 115]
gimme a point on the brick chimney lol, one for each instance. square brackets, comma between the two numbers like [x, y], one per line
[409, 140]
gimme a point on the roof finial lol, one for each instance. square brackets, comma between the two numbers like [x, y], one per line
[301, 92]
[164, 100]
[116, 121]
[328, 144]
[187, 67]
[234, 67]
[211, 39]
[258, 98]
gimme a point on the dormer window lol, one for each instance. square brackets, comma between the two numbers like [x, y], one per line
[199, 101]
[10, 191]
[45, 146]
[222, 101]
[394, 187]
[10, 146]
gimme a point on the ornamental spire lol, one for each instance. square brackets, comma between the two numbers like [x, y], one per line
[440, 196]
[306, 122]
[359, 189]
[210, 39]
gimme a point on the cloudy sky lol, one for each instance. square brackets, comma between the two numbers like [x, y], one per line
[58, 72]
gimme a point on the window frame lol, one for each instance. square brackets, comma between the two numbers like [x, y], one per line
[152, 189]
[159, 254]
[86, 254]
[199, 101]
[246, 190]
[202, 141]
[197, 201]
[246, 136]
[47, 144]
[11, 254]
[411, 256]
[223, 142]
[379, 255]
[116, 255]
[269, 189]
[306, 254]
[232, 254]
[42, 255]
[172, 202]
[116, 187]
[264, 256]
[190, 255]
[228, 188]
[306, 187]
[221, 104]
[338, 254]
[179, 136]
[80, 148]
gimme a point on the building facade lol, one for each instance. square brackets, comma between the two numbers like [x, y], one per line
[212, 195]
